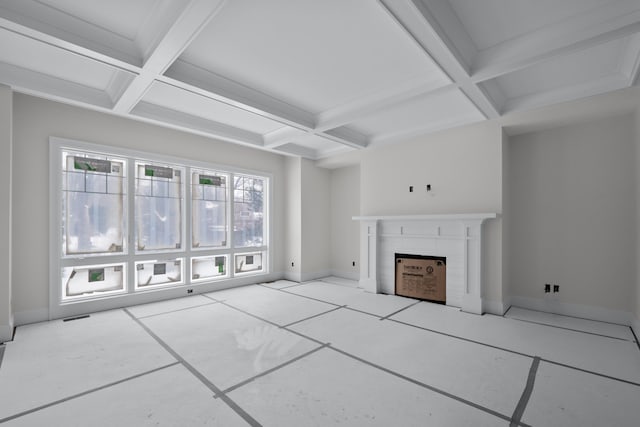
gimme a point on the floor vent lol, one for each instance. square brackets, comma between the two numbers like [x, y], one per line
[84, 316]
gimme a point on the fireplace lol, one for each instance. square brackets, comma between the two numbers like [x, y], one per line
[455, 237]
[422, 277]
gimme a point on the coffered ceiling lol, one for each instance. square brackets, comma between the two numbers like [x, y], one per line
[316, 78]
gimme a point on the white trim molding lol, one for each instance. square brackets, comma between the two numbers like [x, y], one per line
[458, 237]
[576, 310]
[636, 327]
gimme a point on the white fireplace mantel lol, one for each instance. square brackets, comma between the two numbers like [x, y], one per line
[458, 237]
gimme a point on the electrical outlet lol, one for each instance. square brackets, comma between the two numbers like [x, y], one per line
[556, 288]
[292, 264]
[547, 288]
[411, 189]
[353, 263]
[189, 291]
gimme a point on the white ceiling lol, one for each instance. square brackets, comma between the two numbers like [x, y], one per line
[317, 78]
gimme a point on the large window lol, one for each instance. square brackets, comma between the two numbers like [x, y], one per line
[209, 194]
[125, 227]
[158, 206]
[94, 199]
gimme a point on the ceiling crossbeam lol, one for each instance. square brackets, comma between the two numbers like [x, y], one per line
[196, 15]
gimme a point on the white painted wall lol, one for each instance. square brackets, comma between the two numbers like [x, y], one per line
[572, 205]
[316, 221]
[506, 220]
[345, 232]
[6, 143]
[293, 220]
[636, 321]
[36, 119]
[464, 168]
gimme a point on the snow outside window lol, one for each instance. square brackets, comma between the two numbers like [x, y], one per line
[209, 194]
[93, 195]
[248, 198]
[158, 209]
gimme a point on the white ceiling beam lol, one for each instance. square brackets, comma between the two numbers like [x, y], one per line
[282, 136]
[365, 106]
[631, 61]
[196, 79]
[202, 125]
[608, 83]
[480, 99]
[50, 87]
[405, 134]
[188, 76]
[298, 150]
[59, 25]
[37, 35]
[420, 23]
[346, 137]
[193, 19]
[610, 22]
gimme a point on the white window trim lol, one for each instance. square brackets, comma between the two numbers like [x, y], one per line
[60, 309]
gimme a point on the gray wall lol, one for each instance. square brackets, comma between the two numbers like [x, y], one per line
[464, 168]
[345, 232]
[637, 181]
[293, 219]
[571, 204]
[308, 220]
[316, 221]
[35, 120]
[6, 143]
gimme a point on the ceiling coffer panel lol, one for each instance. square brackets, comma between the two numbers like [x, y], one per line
[316, 78]
[316, 55]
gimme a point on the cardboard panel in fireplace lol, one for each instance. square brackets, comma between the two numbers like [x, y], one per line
[422, 277]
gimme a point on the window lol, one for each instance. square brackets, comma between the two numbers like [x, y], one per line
[209, 209]
[248, 197]
[122, 226]
[158, 208]
[93, 203]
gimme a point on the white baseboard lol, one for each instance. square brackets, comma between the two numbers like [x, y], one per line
[494, 307]
[293, 276]
[314, 275]
[349, 275]
[30, 316]
[6, 333]
[336, 280]
[575, 310]
[636, 326]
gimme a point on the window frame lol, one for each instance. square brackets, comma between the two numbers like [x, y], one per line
[130, 257]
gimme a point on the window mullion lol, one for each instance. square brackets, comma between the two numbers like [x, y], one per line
[231, 226]
[131, 225]
[187, 224]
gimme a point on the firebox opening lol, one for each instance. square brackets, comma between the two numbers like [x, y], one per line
[421, 277]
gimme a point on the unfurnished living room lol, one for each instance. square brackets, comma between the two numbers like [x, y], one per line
[320, 212]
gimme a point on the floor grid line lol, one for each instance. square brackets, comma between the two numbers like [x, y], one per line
[515, 419]
[421, 384]
[274, 369]
[217, 392]
[176, 310]
[569, 329]
[389, 371]
[516, 352]
[84, 393]
[526, 393]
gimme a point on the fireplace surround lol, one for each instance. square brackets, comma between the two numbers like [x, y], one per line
[458, 237]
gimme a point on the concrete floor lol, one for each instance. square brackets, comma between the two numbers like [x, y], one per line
[318, 354]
